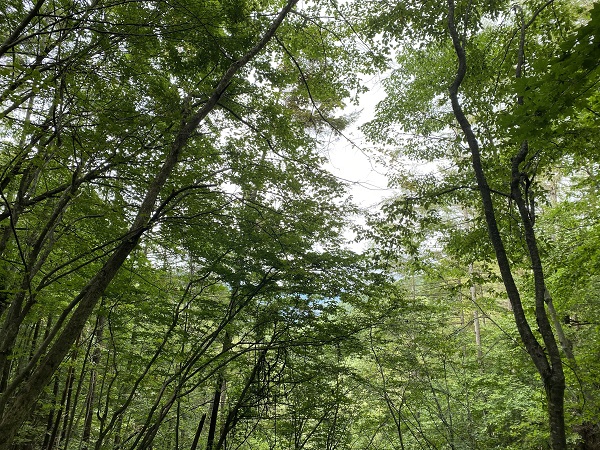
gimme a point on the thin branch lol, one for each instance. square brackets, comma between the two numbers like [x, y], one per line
[12, 39]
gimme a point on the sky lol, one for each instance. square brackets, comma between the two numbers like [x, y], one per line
[352, 159]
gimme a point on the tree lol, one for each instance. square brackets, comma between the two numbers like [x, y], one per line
[501, 116]
[139, 130]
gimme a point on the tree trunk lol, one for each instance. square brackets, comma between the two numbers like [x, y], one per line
[549, 367]
[476, 325]
[198, 432]
[67, 405]
[177, 422]
[48, 435]
[91, 396]
[214, 413]
[218, 396]
[565, 343]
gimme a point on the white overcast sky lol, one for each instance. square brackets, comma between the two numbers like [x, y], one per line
[351, 159]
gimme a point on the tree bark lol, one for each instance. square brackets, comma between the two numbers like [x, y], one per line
[198, 432]
[91, 395]
[48, 435]
[476, 324]
[218, 400]
[549, 368]
[214, 413]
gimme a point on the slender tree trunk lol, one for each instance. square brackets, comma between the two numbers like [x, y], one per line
[118, 426]
[62, 410]
[70, 418]
[54, 440]
[214, 413]
[233, 415]
[565, 343]
[198, 432]
[218, 397]
[177, 422]
[549, 367]
[67, 405]
[476, 325]
[48, 435]
[91, 396]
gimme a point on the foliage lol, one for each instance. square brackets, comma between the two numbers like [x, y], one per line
[173, 266]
